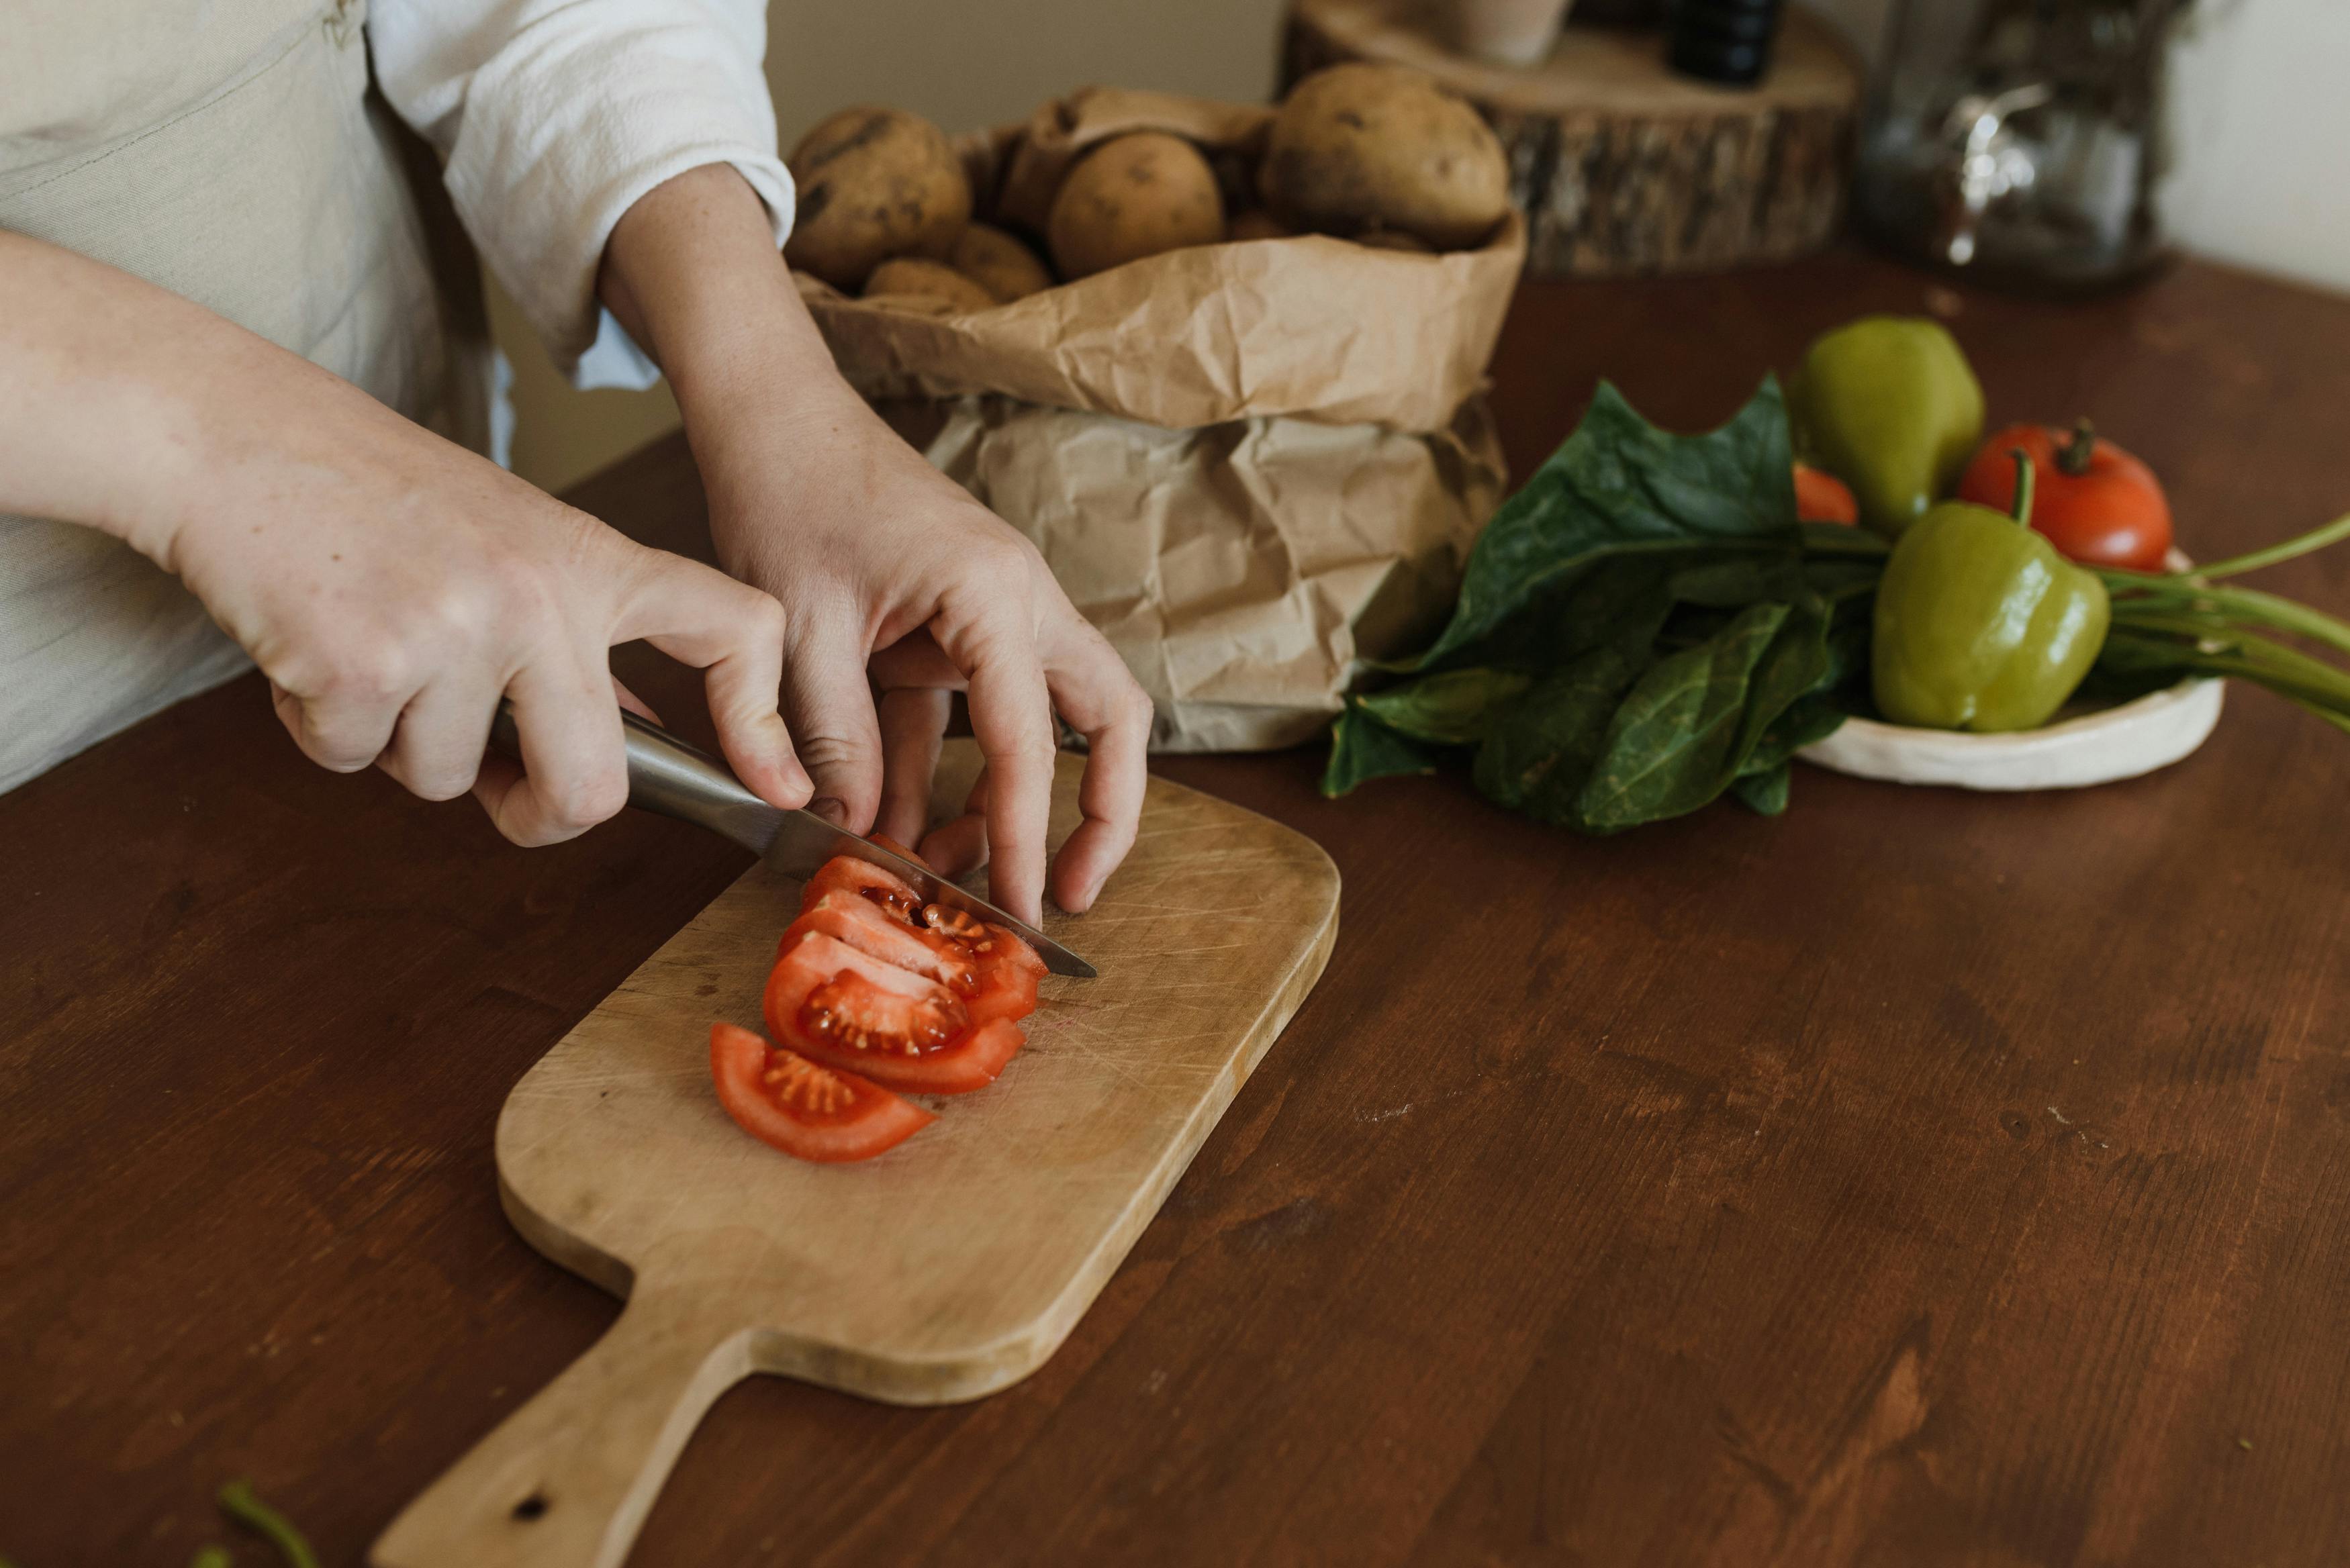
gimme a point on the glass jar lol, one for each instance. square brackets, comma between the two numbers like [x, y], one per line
[2021, 139]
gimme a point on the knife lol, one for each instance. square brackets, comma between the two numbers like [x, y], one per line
[669, 776]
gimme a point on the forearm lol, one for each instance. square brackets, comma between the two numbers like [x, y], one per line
[128, 409]
[694, 273]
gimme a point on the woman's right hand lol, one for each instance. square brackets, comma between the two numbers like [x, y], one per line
[391, 585]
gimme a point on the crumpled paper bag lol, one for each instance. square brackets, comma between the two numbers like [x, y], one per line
[1251, 464]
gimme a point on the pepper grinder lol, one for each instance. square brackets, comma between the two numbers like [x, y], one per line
[1723, 41]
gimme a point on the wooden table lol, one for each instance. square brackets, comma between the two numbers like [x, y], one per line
[1919, 1178]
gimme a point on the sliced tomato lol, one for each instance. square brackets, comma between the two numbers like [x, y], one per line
[847, 1008]
[823, 988]
[1006, 991]
[813, 1111]
[971, 1062]
[989, 944]
[870, 930]
[991, 968]
[847, 874]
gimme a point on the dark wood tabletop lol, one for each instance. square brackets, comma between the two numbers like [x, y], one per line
[1919, 1178]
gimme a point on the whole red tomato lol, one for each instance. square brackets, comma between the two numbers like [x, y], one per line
[2096, 503]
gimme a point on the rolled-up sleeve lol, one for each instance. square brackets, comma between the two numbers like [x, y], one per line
[553, 117]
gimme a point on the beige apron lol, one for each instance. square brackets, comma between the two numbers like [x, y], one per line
[231, 152]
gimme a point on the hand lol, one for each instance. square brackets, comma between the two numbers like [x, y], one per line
[877, 557]
[391, 585]
[885, 569]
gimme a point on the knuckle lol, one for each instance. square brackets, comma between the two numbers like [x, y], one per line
[367, 677]
[1001, 553]
[590, 798]
[763, 617]
[829, 752]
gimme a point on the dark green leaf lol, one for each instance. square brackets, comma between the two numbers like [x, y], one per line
[1764, 791]
[1363, 749]
[1734, 581]
[1688, 727]
[1813, 717]
[1620, 485]
[1453, 709]
[1536, 758]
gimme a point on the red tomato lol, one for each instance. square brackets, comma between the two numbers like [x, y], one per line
[847, 874]
[825, 987]
[1822, 497]
[781, 1098]
[846, 1008]
[874, 912]
[2096, 503]
[973, 1062]
[864, 925]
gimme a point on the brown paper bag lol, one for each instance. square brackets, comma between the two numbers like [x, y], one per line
[1249, 465]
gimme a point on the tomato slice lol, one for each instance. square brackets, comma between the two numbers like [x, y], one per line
[813, 1111]
[865, 907]
[847, 874]
[989, 944]
[824, 989]
[847, 1008]
[973, 1062]
[865, 926]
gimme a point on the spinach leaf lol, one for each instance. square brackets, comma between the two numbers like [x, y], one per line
[1620, 485]
[1685, 730]
[1363, 749]
[1539, 756]
[1451, 709]
[1641, 629]
[1764, 791]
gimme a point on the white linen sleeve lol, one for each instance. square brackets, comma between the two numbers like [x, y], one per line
[553, 117]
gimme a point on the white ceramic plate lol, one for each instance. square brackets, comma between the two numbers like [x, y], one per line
[2137, 737]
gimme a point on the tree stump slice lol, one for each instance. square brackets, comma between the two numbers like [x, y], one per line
[1621, 165]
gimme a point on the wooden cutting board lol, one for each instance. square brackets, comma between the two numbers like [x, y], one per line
[945, 1270]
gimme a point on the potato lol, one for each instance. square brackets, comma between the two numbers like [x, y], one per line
[998, 263]
[1134, 196]
[920, 277]
[1256, 224]
[874, 183]
[1362, 147]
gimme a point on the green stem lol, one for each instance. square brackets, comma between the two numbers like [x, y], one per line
[212, 1557]
[2265, 663]
[2020, 508]
[2237, 607]
[238, 1502]
[1843, 539]
[2252, 561]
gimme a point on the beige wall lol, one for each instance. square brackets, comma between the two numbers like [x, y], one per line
[2261, 110]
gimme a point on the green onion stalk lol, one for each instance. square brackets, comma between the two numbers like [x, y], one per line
[2195, 623]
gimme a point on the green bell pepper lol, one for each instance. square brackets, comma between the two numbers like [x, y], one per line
[1888, 405]
[1980, 623]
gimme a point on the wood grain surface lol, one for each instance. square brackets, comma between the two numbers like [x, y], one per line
[1919, 1178]
[945, 1270]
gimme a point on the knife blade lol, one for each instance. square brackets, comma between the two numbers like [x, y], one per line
[669, 776]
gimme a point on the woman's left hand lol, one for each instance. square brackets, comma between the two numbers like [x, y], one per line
[883, 566]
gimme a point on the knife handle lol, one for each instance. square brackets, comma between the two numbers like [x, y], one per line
[669, 776]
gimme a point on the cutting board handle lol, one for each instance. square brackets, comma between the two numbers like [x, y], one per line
[566, 1480]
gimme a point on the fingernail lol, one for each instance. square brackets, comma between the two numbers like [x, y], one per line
[832, 808]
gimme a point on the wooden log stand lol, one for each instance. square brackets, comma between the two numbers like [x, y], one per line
[1621, 166]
